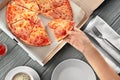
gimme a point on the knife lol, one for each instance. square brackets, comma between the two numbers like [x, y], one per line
[4, 3]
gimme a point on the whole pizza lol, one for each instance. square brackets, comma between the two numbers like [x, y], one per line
[24, 23]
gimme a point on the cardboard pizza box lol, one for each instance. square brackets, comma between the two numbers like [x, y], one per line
[82, 9]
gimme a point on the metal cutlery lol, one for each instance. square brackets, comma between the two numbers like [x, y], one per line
[99, 35]
[116, 52]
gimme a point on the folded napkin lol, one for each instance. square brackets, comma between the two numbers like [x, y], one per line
[106, 50]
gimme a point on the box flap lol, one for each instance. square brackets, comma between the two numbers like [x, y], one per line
[88, 5]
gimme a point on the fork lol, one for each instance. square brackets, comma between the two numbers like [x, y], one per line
[100, 35]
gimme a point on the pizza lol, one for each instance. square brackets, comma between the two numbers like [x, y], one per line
[24, 23]
[60, 26]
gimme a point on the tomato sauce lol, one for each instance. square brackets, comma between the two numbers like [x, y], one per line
[2, 49]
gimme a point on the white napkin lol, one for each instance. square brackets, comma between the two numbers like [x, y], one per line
[114, 38]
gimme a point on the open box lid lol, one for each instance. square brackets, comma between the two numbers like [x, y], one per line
[88, 6]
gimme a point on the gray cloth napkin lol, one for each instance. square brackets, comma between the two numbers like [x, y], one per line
[106, 50]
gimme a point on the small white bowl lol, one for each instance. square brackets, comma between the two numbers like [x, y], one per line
[22, 69]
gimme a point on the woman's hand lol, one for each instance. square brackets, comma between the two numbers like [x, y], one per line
[78, 39]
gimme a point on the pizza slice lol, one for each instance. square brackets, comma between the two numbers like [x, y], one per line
[63, 12]
[39, 36]
[59, 27]
[22, 29]
[29, 4]
[15, 13]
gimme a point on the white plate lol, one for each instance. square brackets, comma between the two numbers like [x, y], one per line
[22, 69]
[73, 69]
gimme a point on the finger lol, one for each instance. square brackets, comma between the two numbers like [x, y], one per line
[76, 29]
[67, 39]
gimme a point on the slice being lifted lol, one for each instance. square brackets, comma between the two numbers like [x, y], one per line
[60, 26]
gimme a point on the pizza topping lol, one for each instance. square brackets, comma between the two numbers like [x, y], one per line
[58, 3]
[44, 5]
[29, 4]
[60, 32]
[13, 10]
[23, 29]
[60, 26]
[63, 12]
